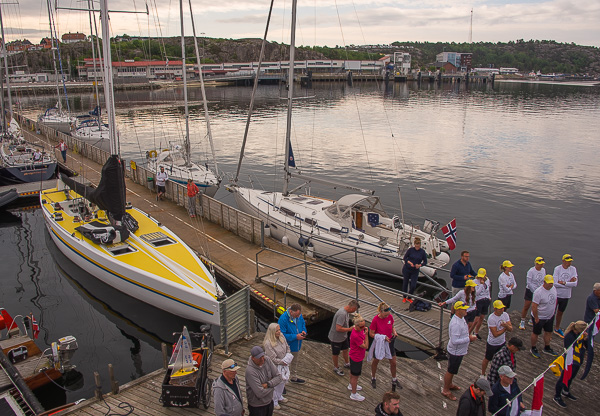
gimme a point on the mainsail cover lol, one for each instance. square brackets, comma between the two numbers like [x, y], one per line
[110, 193]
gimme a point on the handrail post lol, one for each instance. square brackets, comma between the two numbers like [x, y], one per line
[356, 269]
[257, 278]
[306, 274]
[275, 298]
[441, 326]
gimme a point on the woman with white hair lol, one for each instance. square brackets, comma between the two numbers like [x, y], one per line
[278, 350]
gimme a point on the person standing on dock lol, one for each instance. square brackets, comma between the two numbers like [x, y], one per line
[458, 345]
[161, 183]
[572, 337]
[414, 258]
[461, 272]
[506, 356]
[535, 278]
[506, 389]
[506, 283]
[483, 299]
[565, 279]
[192, 191]
[62, 146]
[293, 329]
[227, 392]
[278, 350]
[390, 405]
[543, 307]
[261, 378]
[592, 304]
[359, 343]
[338, 335]
[467, 297]
[498, 323]
[472, 402]
[384, 334]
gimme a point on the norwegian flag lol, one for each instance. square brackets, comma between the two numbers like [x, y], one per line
[568, 371]
[449, 231]
[538, 397]
[35, 327]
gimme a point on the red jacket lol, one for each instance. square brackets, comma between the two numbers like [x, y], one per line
[192, 189]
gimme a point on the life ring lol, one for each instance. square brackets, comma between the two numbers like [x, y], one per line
[152, 153]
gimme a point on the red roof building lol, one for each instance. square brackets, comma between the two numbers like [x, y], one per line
[73, 37]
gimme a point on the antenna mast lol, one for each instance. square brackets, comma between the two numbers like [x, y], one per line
[471, 28]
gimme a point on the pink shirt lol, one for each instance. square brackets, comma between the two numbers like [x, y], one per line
[383, 326]
[357, 338]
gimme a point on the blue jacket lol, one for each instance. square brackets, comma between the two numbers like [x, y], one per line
[458, 272]
[500, 397]
[289, 329]
[415, 257]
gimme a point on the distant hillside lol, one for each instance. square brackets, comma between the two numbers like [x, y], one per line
[533, 55]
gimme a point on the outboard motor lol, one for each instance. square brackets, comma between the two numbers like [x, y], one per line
[62, 352]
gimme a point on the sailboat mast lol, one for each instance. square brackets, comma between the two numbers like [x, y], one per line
[206, 117]
[5, 53]
[186, 144]
[108, 79]
[95, 35]
[288, 129]
[54, 46]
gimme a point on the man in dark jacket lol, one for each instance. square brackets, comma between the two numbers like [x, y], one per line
[389, 406]
[502, 396]
[472, 402]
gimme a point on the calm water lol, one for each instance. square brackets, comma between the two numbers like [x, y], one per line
[516, 164]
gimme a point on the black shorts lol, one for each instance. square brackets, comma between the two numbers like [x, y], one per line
[490, 350]
[355, 367]
[561, 304]
[506, 301]
[336, 347]
[470, 316]
[528, 294]
[483, 306]
[545, 324]
[454, 362]
[162, 189]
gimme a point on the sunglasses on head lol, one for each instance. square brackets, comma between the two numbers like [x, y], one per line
[387, 309]
[232, 366]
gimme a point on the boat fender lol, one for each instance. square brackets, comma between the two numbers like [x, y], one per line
[303, 242]
[285, 240]
[267, 230]
[310, 250]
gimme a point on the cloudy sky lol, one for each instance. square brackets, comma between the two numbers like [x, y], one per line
[330, 22]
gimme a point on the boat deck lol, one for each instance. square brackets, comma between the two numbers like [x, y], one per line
[325, 393]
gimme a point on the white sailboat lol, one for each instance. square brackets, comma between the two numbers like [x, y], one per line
[353, 232]
[177, 159]
[123, 246]
[182, 365]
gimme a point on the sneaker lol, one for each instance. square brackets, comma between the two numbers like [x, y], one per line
[559, 401]
[298, 381]
[358, 388]
[357, 397]
[530, 322]
[559, 332]
[396, 383]
[522, 324]
[404, 300]
[411, 301]
[277, 407]
[550, 351]
[374, 383]
[534, 352]
[284, 400]
[347, 365]
[338, 371]
[568, 395]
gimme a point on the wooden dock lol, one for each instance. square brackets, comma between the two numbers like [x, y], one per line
[326, 393]
[233, 255]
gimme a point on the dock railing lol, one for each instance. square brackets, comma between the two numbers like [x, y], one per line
[375, 290]
[235, 317]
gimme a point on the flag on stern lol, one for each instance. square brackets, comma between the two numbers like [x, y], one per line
[592, 331]
[35, 327]
[449, 231]
[538, 396]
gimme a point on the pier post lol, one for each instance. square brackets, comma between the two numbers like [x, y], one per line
[165, 355]
[98, 391]
[114, 384]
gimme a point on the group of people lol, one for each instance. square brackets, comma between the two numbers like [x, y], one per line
[546, 294]
[271, 366]
[192, 190]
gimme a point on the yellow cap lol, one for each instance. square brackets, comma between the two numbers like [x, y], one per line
[549, 279]
[460, 305]
[498, 304]
[471, 283]
[539, 260]
[567, 257]
[507, 263]
[481, 272]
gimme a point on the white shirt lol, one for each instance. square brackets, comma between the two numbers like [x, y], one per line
[503, 281]
[495, 321]
[560, 273]
[458, 332]
[161, 178]
[462, 297]
[482, 291]
[546, 301]
[535, 278]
